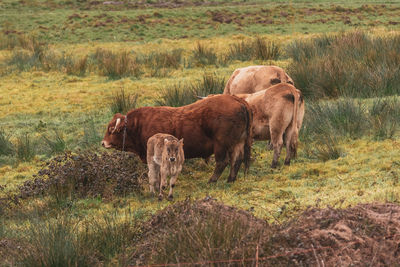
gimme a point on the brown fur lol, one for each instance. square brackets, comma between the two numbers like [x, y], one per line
[278, 113]
[252, 79]
[219, 125]
[165, 158]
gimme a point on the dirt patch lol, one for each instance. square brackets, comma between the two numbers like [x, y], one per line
[367, 234]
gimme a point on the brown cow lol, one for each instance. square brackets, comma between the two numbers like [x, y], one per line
[278, 113]
[219, 125]
[252, 79]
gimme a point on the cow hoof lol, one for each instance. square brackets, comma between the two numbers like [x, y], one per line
[231, 180]
[170, 197]
[159, 197]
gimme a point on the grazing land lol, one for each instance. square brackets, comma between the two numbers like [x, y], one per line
[67, 66]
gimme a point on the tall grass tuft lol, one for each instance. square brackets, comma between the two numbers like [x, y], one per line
[209, 84]
[175, 96]
[384, 118]
[203, 55]
[264, 50]
[117, 65]
[122, 102]
[55, 144]
[351, 64]
[76, 66]
[6, 147]
[242, 51]
[91, 137]
[25, 148]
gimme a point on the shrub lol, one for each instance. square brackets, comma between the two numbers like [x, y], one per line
[350, 64]
[122, 102]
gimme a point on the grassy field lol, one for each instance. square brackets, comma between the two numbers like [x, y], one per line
[63, 63]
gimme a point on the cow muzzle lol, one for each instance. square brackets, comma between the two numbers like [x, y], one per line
[172, 159]
[105, 144]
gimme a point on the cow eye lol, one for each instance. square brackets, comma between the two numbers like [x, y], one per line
[290, 82]
[275, 81]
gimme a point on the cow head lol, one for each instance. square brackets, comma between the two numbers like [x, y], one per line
[115, 133]
[172, 150]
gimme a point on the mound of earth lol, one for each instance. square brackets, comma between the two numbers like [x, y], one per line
[206, 232]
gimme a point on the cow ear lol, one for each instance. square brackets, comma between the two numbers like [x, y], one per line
[181, 142]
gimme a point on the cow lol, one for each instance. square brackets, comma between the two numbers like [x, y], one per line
[219, 125]
[165, 158]
[252, 79]
[278, 115]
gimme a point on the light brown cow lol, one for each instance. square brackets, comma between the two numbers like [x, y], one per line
[165, 158]
[252, 79]
[277, 113]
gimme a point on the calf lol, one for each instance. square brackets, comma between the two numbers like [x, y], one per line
[165, 158]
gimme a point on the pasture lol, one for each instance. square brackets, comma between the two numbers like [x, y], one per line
[67, 66]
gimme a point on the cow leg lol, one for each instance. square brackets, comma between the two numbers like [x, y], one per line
[236, 160]
[172, 182]
[277, 142]
[163, 182]
[220, 163]
[288, 141]
[153, 176]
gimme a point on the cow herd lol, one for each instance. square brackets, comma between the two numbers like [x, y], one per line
[259, 102]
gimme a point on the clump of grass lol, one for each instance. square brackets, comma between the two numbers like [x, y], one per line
[209, 84]
[25, 148]
[122, 102]
[203, 55]
[167, 59]
[264, 50]
[351, 64]
[91, 137]
[117, 65]
[76, 66]
[185, 94]
[384, 118]
[252, 49]
[55, 144]
[6, 147]
[175, 96]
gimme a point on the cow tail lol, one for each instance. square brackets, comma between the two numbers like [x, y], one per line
[249, 139]
[295, 131]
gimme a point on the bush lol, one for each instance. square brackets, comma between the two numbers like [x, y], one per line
[350, 64]
[122, 102]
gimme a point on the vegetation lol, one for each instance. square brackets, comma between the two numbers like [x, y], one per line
[66, 67]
